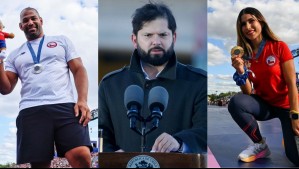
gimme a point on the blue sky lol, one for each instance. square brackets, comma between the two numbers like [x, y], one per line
[281, 15]
[76, 19]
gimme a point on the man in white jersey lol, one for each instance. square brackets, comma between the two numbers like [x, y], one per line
[48, 111]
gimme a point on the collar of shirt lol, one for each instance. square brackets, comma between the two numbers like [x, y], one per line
[36, 41]
[145, 74]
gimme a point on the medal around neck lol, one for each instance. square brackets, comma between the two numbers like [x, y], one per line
[37, 69]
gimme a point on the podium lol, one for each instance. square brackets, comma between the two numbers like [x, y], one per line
[151, 160]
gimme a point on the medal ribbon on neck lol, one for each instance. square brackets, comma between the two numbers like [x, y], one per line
[261, 48]
[36, 59]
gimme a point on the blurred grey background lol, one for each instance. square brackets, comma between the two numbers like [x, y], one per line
[115, 30]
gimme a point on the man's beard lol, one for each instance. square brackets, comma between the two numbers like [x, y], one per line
[158, 59]
[35, 35]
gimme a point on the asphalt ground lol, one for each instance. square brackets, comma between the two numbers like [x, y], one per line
[226, 140]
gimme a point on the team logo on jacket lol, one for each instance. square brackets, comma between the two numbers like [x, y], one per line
[271, 60]
[51, 44]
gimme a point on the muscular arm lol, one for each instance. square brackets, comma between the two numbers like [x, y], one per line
[81, 83]
[8, 80]
[288, 69]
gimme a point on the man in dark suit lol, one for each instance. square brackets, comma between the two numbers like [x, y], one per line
[183, 127]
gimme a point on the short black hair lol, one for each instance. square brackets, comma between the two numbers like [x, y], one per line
[150, 12]
[29, 8]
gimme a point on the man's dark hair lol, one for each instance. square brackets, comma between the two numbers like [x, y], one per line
[150, 12]
[29, 8]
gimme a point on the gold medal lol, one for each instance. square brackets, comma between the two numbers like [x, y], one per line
[237, 50]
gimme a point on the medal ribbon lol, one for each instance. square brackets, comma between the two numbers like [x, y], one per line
[36, 60]
[261, 47]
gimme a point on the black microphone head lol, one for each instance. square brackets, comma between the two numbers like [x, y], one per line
[133, 96]
[158, 97]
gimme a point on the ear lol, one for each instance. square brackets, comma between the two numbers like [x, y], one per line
[174, 37]
[134, 40]
[20, 26]
[41, 20]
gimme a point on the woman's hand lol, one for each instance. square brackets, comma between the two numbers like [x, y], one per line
[295, 125]
[238, 63]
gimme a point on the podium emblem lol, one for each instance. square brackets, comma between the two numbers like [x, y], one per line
[143, 161]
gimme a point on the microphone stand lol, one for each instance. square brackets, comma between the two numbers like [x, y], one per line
[100, 140]
[143, 135]
[143, 131]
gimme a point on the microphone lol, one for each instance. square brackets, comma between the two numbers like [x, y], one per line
[157, 102]
[133, 99]
[237, 50]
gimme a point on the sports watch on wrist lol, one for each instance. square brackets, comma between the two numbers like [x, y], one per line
[294, 115]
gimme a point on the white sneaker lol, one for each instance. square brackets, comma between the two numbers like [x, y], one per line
[255, 151]
[3, 54]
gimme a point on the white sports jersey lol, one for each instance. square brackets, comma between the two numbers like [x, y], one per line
[53, 84]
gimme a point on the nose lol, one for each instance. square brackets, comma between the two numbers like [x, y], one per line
[156, 40]
[30, 22]
[247, 25]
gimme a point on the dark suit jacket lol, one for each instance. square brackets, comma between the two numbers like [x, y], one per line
[185, 117]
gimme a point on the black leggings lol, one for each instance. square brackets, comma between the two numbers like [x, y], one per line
[246, 110]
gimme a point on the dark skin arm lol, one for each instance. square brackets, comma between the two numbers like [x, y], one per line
[8, 80]
[81, 83]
